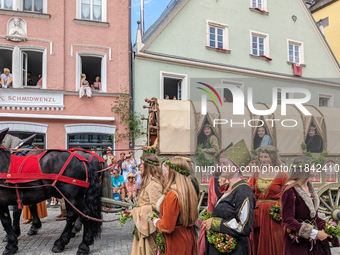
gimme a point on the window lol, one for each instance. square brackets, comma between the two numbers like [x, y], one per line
[92, 64]
[33, 6]
[32, 68]
[90, 141]
[325, 100]
[257, 4]
[5, 59]
[39, 141]
[279, 96]
[260, 5]
[91, 10]
[217, 35]
[259, 44]
[227, 95]
[6, 4]
[294, 53]
[173, 88]
[174, 85]
[92, 67]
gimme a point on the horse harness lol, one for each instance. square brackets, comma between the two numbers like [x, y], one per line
[21, 177]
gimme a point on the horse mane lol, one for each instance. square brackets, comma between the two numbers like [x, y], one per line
[5, 161]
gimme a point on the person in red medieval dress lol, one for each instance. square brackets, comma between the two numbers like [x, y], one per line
[268, 184]
[304, 230]
[178, 210]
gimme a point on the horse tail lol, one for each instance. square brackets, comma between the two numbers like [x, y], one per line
[93, 200]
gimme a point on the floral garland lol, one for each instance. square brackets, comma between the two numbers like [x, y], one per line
[176, 168]
[149, 161]
[160, 240]
[275, 212]
[151, 150]
[222, 242]
[261, 149]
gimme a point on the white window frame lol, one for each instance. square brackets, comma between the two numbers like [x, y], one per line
[18, 5]
[264, 4]
[104, 11]
[103, 75]
[183, 77]
[217, 25]
[266, 42]
[2, 3]
[21, 6]
[229, 82]
[42, 50]
[290, 96]
[302, 54]
[327, 96]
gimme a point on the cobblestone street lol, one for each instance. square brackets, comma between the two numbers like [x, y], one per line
[113, 240]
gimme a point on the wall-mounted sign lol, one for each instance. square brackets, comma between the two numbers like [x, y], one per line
[30, 99]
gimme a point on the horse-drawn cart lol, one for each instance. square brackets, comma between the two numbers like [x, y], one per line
[175, 127]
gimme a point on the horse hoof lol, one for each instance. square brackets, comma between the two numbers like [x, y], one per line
[5, 240]
[56, 249]
[81, 253]
[10, 251]
[32, 232]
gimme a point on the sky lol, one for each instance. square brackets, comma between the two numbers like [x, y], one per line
[153, 9]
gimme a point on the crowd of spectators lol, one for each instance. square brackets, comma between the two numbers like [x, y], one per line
[125, 175]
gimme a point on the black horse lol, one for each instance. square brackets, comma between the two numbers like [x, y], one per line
[87, 200]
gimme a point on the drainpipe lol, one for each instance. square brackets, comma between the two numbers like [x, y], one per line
[142, 15]
[132, 145]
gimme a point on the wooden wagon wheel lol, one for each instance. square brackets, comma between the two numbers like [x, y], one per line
[329, 195]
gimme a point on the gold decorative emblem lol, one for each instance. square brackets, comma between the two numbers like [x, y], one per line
[74, 181]
[8, 176]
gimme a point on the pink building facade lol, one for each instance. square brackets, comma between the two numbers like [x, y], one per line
[47, 45]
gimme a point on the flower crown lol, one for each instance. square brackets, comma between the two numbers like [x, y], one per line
[261, 149]
[149, 161]
[302, 164]
[176, 168]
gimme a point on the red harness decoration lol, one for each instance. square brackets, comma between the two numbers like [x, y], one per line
[27, 169]
[92, 154]
[24, 165]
